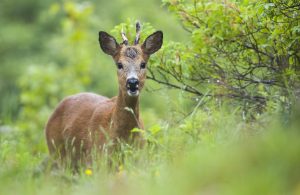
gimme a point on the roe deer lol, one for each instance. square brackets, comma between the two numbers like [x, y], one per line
[83, 121]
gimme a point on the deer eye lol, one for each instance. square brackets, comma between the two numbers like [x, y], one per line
[143, 65]
[120, 65]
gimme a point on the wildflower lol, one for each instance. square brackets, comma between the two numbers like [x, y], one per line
[88, 172]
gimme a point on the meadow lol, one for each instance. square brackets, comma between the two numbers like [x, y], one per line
[221, 105]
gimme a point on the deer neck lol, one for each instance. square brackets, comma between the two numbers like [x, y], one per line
[126, 114]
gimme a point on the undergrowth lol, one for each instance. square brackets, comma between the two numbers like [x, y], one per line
[209, 152]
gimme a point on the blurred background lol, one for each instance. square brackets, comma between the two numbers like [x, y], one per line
[49, 49]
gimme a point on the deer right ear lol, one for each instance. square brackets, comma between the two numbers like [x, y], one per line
[108, 43]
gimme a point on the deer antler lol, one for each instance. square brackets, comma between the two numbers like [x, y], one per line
[138, 30]
[125, 40]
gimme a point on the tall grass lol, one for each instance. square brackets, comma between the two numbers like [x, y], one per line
[210, 152]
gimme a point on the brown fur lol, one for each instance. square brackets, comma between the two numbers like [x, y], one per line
[86, 120]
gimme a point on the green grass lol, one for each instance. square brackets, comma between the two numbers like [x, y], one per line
[207, 153]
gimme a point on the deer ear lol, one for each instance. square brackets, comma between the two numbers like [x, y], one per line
[153, 43]
[108, 43]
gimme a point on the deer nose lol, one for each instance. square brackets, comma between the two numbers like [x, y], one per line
[132, 84]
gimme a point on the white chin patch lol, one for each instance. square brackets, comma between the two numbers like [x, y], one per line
[133, 94]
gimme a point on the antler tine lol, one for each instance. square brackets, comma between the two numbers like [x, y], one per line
[138, 31]
[125, 40]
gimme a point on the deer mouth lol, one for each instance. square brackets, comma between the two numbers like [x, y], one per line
[132, 90]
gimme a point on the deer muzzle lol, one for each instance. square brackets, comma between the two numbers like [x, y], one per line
[132, 85]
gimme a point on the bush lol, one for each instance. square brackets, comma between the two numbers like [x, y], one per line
[246, 52]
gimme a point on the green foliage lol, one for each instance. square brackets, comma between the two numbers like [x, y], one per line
[22, 35]
[50, 83]
[129, 28]
[246, 51]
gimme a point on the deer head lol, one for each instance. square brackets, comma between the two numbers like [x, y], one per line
[131, 60]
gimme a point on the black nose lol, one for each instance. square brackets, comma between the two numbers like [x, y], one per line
[132, 84]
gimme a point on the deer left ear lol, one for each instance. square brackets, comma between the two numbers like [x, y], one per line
[153, 43]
